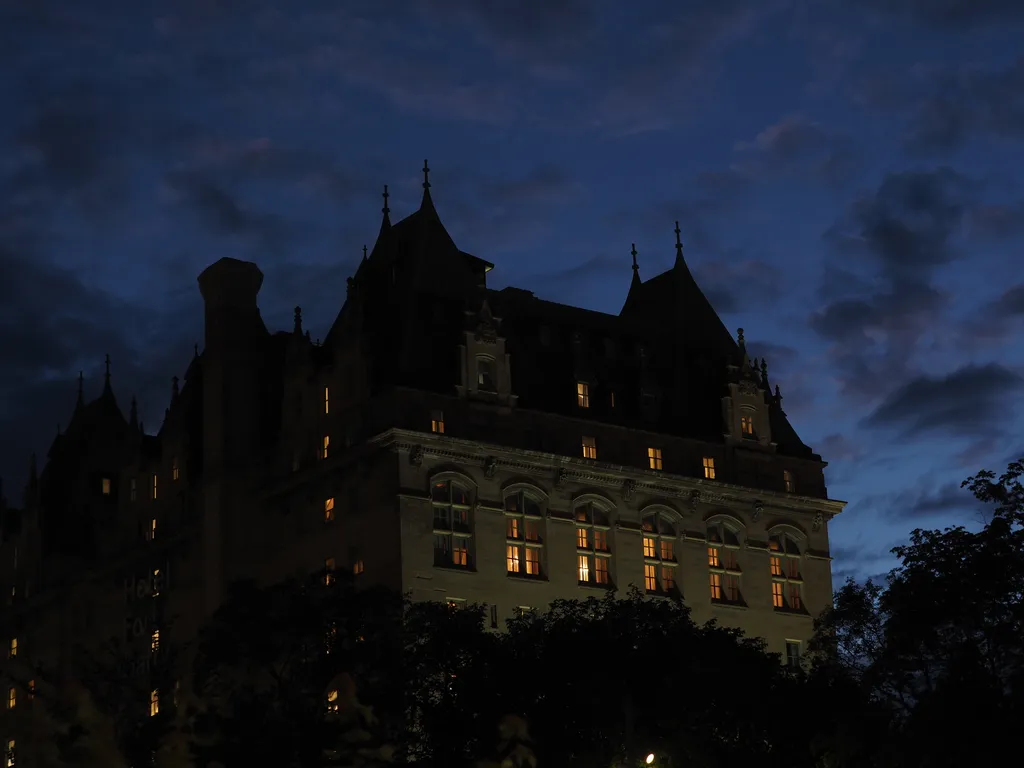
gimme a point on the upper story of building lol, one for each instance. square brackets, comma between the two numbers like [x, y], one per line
[420, 343]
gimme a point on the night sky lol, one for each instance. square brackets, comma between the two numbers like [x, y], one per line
[846, 174]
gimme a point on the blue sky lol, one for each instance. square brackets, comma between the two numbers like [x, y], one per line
[846, 174]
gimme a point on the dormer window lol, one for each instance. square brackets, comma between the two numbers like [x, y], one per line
[152, 529]
[329, 509]
[582, 394]
[105, 486]
[327, 400]
[153, 487]
[486, 380]
[709, 468]
[589, 448]
[788, 482]
[654, 458]
[326, 446]
[747, 425]
[437, 422]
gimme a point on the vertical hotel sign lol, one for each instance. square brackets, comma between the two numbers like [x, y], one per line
[143, 588]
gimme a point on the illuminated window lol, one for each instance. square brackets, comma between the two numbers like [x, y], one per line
[327, 399]
[151, 533]
[132, 491]
[328, 509]
[523, 521]
[455, 603]
[154, 641]
[659, 541]
[13, 652]
[486, 380]
[593, 552]
[793, 653]
[175, 472]
[106, 486]
[582, 394]
[326, 446]
[784, 564]
[9, 754]
[453, 536]
[437, 422]
[333, 705]
[524, 611]
[153, 488]
[12, 697]
[329, 571]
[709, 468]
[747, 425]
[589, 448]
[358, 567]
[613, 399]
[723, 563]
[787, 481]
[654, 458]
[158, 581]
[154, 702]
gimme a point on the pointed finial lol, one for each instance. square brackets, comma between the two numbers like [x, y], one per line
[739, 336]
[635, 266]
[364, 251]
[298, 321]
[81, 388]
[426, 175]
[679, 245]
[778, 396]
[386, 210]
[764, 374]
[307, 336]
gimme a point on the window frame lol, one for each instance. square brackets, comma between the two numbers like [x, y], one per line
[593, 549]
[724, 542]
[518, 543]
[453, 540]
[785, 566]
[708, 465]
[589, 449]
[655, 460]
[488, 361]
[582, 394]
[660, 564]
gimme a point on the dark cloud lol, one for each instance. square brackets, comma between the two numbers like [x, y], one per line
[1001, 222]
[932, 503]
[951, 14]
[787, 140]
[972, 400]
[734, 283]
[544, 185]
[1009, 305]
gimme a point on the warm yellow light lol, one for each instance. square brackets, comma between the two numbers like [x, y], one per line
[649, 759]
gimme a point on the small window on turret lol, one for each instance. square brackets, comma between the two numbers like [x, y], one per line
[327, 445]
[105, 486]
[175, 472]
[329, 509]
[589, 448]
[327, 399]
[747, 425]
[709, 468]
[437, 422]
[154, 487]
[582, 394]
[788, 482]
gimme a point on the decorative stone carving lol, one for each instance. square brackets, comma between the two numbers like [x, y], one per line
[748, 386]
[486, 326]
[560, 477]
[758, 510]
[490, 466]
[629, 489]
[416, 455]
[694, 500]
[819, 520]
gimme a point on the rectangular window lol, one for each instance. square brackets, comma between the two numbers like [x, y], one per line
[326, 446]
[776, 565]
[132, 492]
[31, 689]
[613, 399]
[600, 541]
[709, 468]
[792, 568]
[787, 481]
[327, 400]
[13, 652]
[175, 472]
[512, 558]
[747, 425]
[713, 560]
[12, 697]
[358, 567]
[437, 422]
[152, 528]
[793, 653]
[654, 458]
[716, 586]
[154, 641]
[601, 575]
[668, 578]
[157, 583]
[328, 509]
[329, 571]
[9, 755]
[584, 568]
[154, 487]
[729, 560]
[794, 597]
[494, 616]
[667, 550]
[649, 547]
[582, 538]
[582, 394]
[154, 702]
[105, 486]
[460, 552]
[650, 578]
[486, 378]
[513, 531]
[532, 561]
[589, 448]
[732, 588]
[777, 599]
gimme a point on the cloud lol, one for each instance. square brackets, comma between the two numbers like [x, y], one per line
[733, 283]
[972, 400]
[934, 502]
[951, 14]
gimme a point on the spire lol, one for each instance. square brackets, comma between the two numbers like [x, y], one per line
[81, 390]
[426, 175]
[364, 251]
[635, 282]
[636, 268]
[428, 202]
[764, 375]
[133, 414]
[778, 397]
[386, 210]
[106, 375]
[298, 321]
[679, 247]
[349, 284]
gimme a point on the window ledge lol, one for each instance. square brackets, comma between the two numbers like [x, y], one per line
[592, 585]
[542, 578]
[798, 613]
[454, 569]
[731, 606]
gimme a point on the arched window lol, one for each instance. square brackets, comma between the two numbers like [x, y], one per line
[784, 563]
[453, 536]
[659, 540]
[593, 552]
[524, 540]
[723, 562]
[486, 374]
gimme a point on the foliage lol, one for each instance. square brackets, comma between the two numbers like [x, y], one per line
[939, 649]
